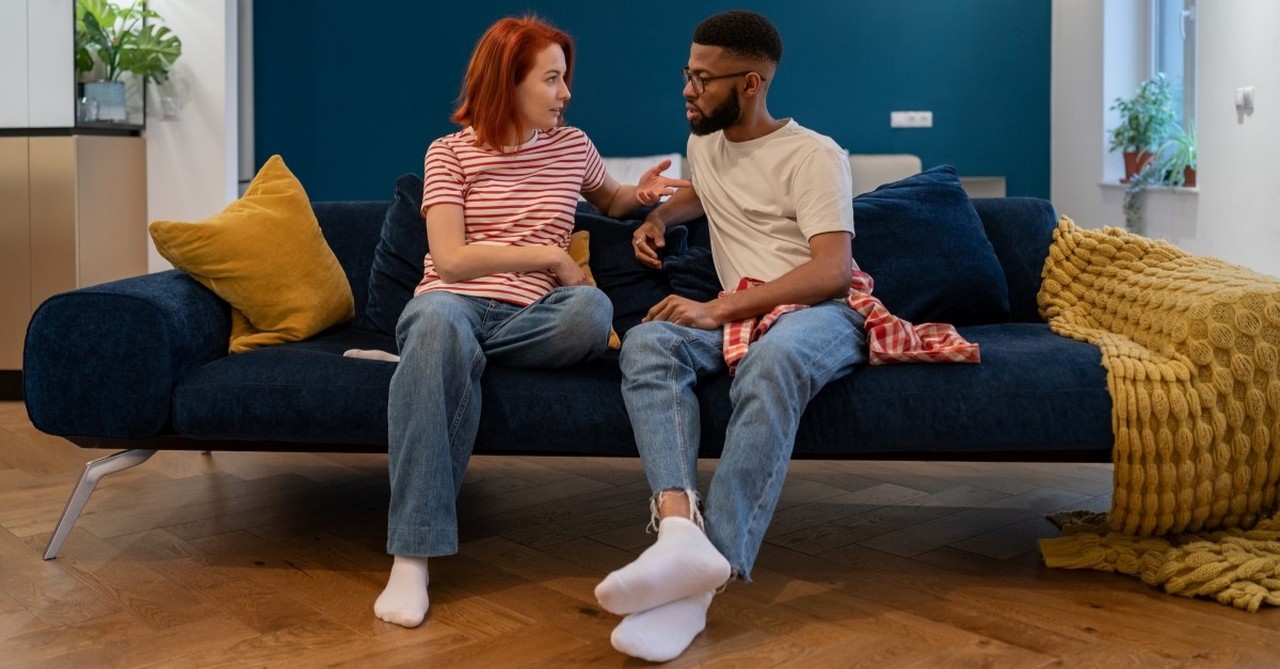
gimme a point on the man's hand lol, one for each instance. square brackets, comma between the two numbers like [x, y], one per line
[683, 311]
[652, 186]
[647, 239]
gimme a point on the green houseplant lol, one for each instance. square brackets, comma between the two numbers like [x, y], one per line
[1177, 158]
[1173, 164]
[112, 40]
[1146, 120]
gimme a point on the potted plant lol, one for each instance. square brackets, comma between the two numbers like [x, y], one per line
[112, 40]
[1145, 122]
[1173, 164]
[1177, 158]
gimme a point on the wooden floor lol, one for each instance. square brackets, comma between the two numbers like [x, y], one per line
[275, 560]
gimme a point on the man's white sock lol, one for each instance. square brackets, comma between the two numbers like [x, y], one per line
[404, 601]
[681, 563]
[662, 633]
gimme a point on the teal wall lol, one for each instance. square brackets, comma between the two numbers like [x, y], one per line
[351, 94]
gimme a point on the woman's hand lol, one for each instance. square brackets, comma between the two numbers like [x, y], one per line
[652, 186]
[567, 271]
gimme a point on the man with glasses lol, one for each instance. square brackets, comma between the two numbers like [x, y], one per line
[778, 198]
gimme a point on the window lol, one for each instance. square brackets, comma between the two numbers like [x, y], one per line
[1173, 43]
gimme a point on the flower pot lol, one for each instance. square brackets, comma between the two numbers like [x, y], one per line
[1188, 177]
[1133, 163]
[110, 98]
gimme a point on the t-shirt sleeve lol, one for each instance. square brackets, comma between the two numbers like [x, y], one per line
[443, 181]
[824, 193]
[593, 174]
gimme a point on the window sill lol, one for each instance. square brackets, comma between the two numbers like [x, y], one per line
[1182, 190]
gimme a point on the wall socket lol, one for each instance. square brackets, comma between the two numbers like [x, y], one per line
[911, 119]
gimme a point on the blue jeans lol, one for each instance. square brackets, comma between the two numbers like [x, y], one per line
[782, 371]
[433, 413]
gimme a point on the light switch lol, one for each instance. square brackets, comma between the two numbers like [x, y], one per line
[1244, 99]
[911, 119]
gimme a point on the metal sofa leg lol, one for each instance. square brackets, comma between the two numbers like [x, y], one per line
[93, 472]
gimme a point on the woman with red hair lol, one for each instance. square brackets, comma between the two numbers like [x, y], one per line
[498, 283]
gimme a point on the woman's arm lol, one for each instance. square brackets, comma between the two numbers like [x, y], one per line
[618, 200]
[455, 260]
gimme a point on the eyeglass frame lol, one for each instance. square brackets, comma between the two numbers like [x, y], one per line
[701, 87]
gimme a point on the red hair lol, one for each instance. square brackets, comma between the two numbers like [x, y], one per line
[502, 58]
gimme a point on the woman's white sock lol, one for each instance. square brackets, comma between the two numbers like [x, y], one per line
[404, 602]
[662, 633]
[681, 563]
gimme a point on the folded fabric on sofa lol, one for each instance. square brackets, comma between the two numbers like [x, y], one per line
[1191, 347]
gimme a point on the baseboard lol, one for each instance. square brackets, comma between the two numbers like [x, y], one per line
[11, 384]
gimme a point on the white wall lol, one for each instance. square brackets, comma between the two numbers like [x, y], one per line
[192, 162]
[1233, 214]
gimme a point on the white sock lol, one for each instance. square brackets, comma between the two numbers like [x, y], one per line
[681, 563]
[662, 633]
[370, 354]
[404, 602]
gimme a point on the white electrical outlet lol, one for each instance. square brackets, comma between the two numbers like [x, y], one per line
[911, 119]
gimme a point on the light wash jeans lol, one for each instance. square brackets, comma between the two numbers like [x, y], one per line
[662, 362]
[433, 412]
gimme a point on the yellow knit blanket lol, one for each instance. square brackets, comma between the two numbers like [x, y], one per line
[1191, 348]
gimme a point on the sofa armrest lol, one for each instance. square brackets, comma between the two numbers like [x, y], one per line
[103, 361]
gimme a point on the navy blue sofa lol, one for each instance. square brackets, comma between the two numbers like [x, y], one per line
[141, 364]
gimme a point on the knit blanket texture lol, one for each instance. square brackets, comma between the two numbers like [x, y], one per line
[1190, 345]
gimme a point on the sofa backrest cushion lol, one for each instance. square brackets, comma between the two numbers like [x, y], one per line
[397, 259]
[631, 287]
[922, 242]
[1020, 230]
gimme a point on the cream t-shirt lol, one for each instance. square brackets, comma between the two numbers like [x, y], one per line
[766, 197]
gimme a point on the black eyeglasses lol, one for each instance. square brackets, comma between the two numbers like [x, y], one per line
[699, 81]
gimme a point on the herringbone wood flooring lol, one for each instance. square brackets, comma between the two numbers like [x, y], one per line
[274, 560]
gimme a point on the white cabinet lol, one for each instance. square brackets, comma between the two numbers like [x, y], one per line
[37, 64]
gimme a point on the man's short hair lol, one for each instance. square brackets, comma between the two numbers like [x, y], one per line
[741, 33]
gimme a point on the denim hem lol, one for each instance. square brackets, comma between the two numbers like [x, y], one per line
[422, 543]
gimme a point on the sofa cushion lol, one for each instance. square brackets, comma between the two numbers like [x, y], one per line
[397, 259]
[923, 243]
[693, 274]
[631, 287]
[1035, 392]
[264, 255]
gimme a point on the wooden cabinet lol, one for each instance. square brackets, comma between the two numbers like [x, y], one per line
[73, 213]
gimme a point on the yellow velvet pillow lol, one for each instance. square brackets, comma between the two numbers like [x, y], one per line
[265, 255]
[580, 251]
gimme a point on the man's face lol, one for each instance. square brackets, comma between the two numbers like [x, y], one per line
[711, 103]
[724, 115]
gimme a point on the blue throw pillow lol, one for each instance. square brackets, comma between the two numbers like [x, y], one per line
[693, 274]
[397, 260]
[923, 243]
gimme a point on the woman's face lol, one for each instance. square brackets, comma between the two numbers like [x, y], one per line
[542, 95]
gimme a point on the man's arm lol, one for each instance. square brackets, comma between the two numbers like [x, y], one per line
[824, 277]
[680, 208]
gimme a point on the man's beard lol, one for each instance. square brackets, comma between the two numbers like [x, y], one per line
[720, 118]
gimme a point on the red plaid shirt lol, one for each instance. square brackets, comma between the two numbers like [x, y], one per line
[889, 338]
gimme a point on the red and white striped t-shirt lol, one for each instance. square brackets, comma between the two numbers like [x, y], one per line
[524, 198]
